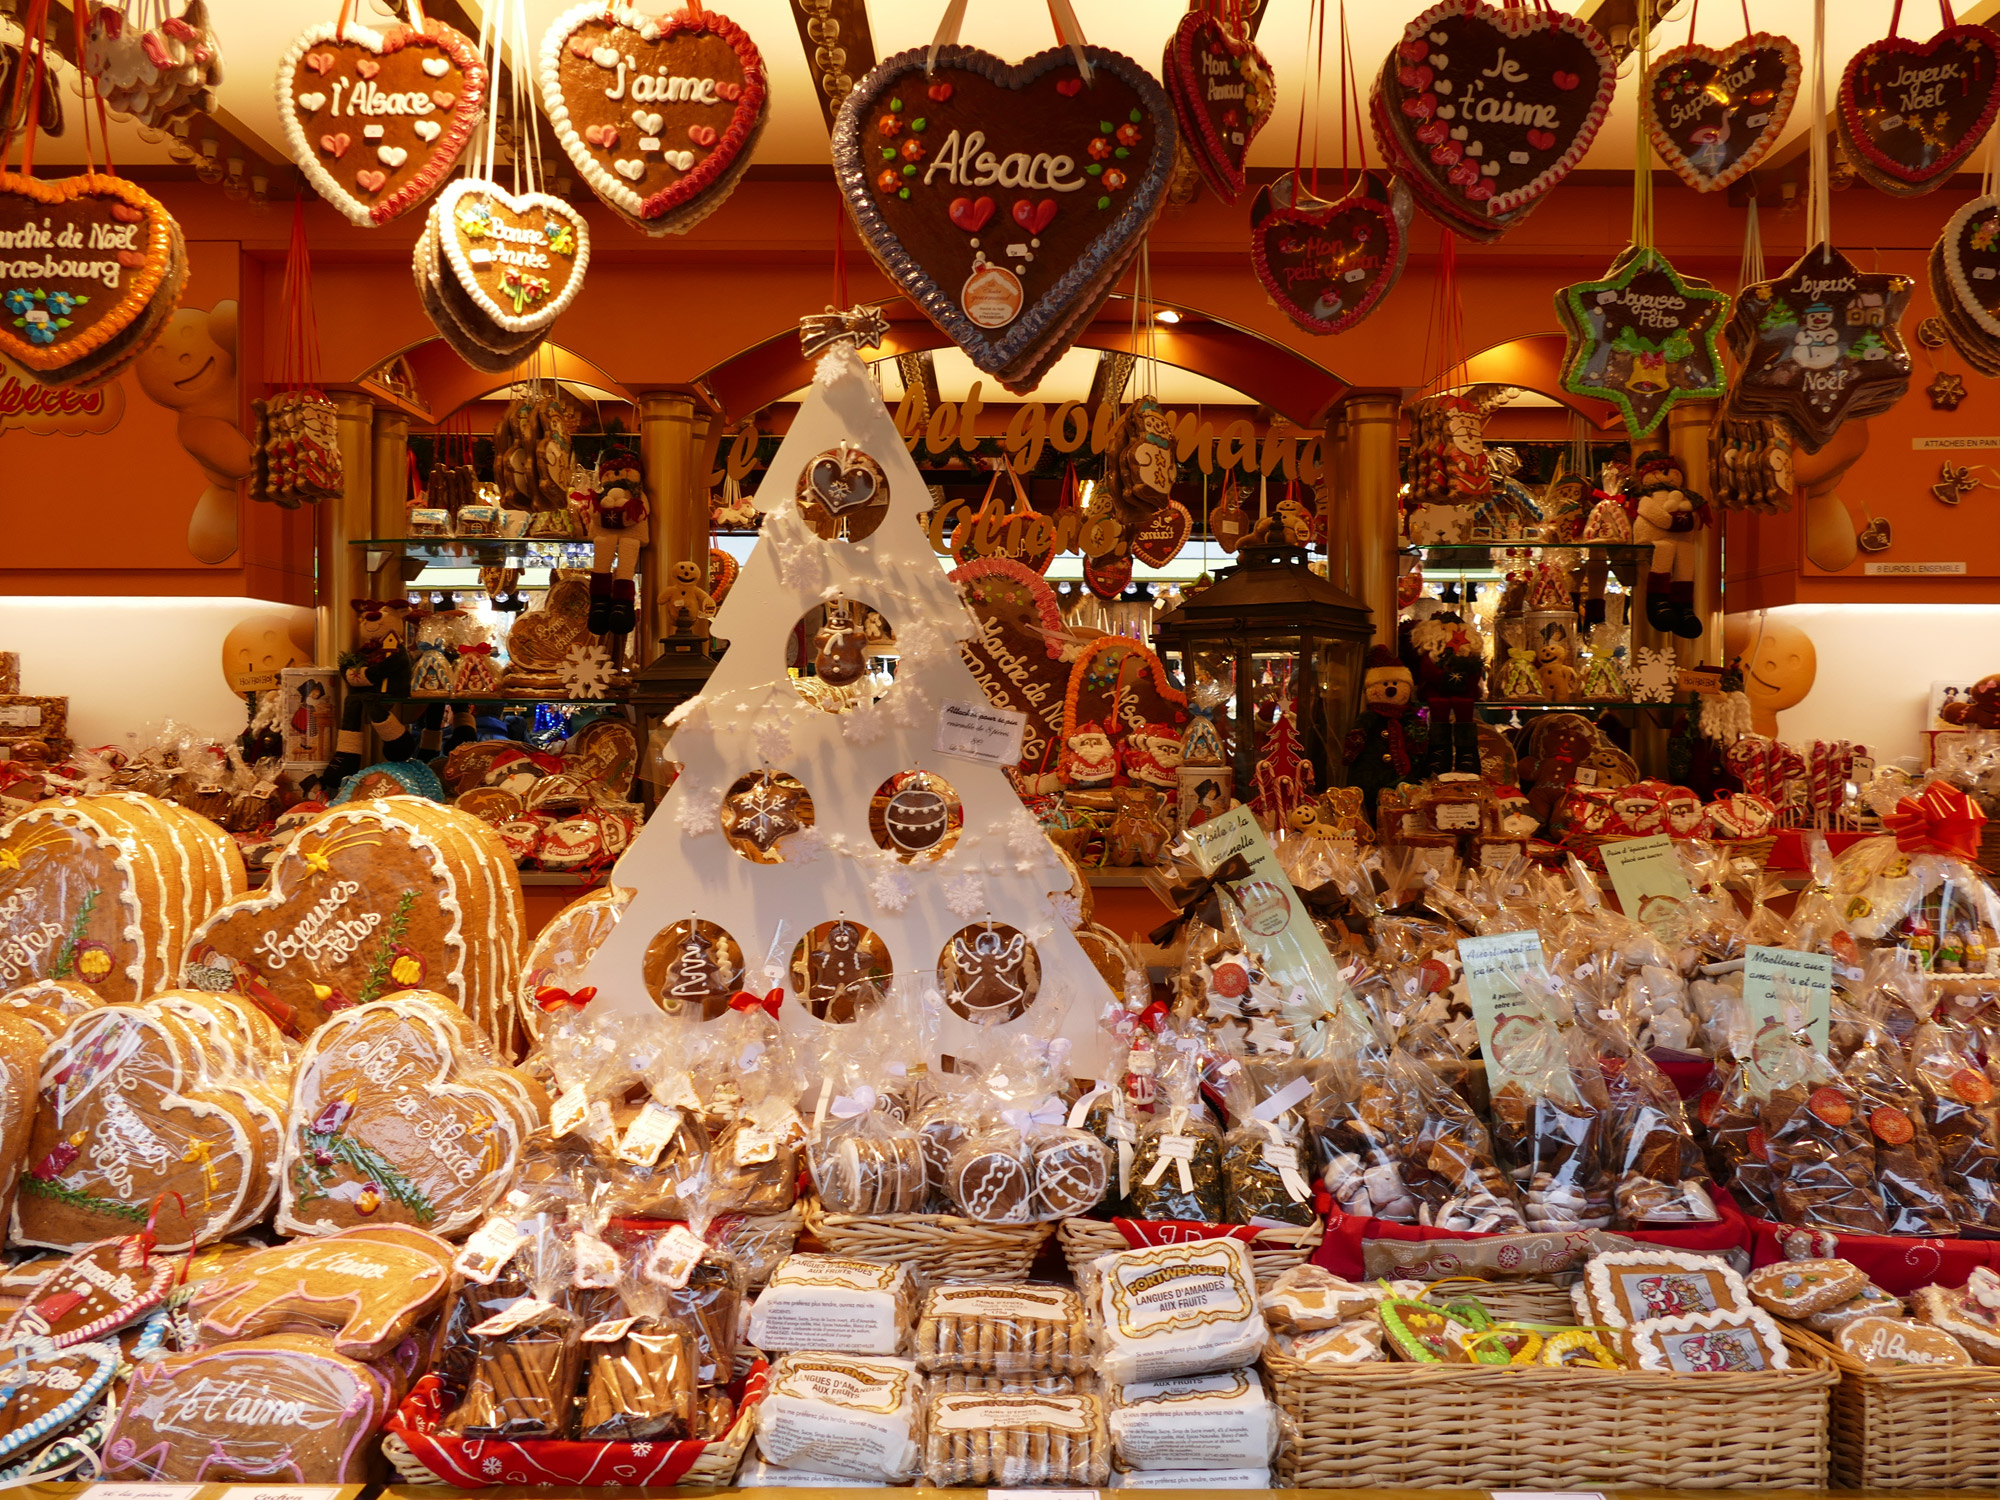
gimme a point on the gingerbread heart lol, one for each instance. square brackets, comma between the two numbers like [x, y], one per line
[1089, 165]
[659, 113]
[122, 1120]
[365, 1288]
[1494, 106]
[1329, 265]
[520, 258]
[1158, 539]
[1712, 115]
[43, 1389]
[358, 106]
[1910, 111]
[277, 1409]
[1222, 94]
[540, 640]
[1016, 655]
[396, 1119]
[88, 255]
[842, 481]
[99, 1290]
[1971, 253]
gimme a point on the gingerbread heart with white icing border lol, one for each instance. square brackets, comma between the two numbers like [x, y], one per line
[377, 119]
[93, 1294]
[1003, 197]
[1494, 107]
[1911, 111]
[1222, 92]
[1713, 115]
[85, 257]
[43, 1389]
[1326, 266]
[520, 258]
[1971, 246]
[659, 113]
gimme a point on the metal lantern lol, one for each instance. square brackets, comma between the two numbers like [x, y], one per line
[1276, 630]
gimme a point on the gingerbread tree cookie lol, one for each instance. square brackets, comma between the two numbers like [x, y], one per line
[690, 859]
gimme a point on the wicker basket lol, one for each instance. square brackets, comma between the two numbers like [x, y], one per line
[936, 1247]
[1912, 1428]
[1421, 1426]
[1527, 1301]
[1273, 1252]
[1757, 851]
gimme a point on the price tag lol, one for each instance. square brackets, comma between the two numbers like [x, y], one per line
[263, 1491]
[487, 1252]
[29, 716]
[142, 1491]
[569, 1111]
[977, 732]
[1286, 1160]
[606, 1333]
[674, 1256]
[754, 1146]
[648, 1134]
[597, 1264]
[677, 1088]
[517, 1314]
[1041, 1495]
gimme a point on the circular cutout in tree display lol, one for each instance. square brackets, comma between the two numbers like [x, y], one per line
[989, 973]
[830, 964]
[915, 815]
[843, 494]
[838, 648]
[692, 968]
[763, 808]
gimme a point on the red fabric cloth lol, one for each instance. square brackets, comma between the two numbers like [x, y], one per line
[1895, 1263]
[1341, 1251]
[1142, 1232]
[474, 1464]
[1689, 1077]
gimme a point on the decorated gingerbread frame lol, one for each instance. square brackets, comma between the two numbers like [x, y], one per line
[1743, 1342]
[1629, 1287]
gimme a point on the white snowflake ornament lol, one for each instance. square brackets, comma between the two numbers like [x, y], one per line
[586, 671]
[965, 895]
[1655, 676]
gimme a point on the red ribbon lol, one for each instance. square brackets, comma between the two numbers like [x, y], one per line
[1938, 820]
[553, 997]
[745, 1000]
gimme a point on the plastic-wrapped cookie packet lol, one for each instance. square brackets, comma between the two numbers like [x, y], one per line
[1549, 1110]
[830, 1302]
[1008, 1441]
[1115, 1109]
[1311, 1299]
[1176, 1309]
[523, 1373]
[1030, 1329]
[1960, 1115]
[855, 1415]
[1220, 1420]
[1821, 1151]
[1648, 1149]
[1909, 1169]
[1177, 1160]
[701, 1289]
[640, 1367]
[1267, 1166]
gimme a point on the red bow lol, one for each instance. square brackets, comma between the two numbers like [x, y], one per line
[551, 997]
[1938, 820]
[745, 1000]
[1151, 1017]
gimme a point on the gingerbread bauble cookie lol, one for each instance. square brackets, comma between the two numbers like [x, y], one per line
[991, 1180]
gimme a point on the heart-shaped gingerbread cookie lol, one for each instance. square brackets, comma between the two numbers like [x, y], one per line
[397, 1120]
[1077, 175]
[1222, 94]
[521, 259]
[1328, 265]
[1911, 111]
[43, 1389]
[376, 120]
[659, 113]
[1712, 115]
[85, 258]
[123, 1120]
[1488, 108]
[99, 1290]
[1157, 540]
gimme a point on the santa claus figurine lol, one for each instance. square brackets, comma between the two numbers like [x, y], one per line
[1443, 653]
[1089, 760]
[1152, 755]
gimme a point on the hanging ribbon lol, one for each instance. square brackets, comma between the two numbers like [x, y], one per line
[1938, 820]
[1068, 34]
[552, 997]
[1819, 220]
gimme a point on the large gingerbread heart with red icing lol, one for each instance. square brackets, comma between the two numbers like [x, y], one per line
[1712, 115]
[1910, 111]
[1491, 108]
[1222, 93]
[1329, 265]
[376, 120]
[1001, 198]
[659, 113]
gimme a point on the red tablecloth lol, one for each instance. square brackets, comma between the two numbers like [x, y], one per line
[1893, 1262]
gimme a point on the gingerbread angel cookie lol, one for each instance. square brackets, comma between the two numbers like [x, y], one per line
[396, 1118]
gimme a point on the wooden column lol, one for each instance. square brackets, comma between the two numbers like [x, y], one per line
[391, 473]
[678, 530]
[1372, 418]
[1687, 436]
[1336, 463]
[345, 577]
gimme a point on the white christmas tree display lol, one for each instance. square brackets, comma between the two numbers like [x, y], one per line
[752, 718]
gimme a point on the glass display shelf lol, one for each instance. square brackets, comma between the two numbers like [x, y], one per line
[524, 700]
[1479, 554]
[459, 550]
[1538, 706]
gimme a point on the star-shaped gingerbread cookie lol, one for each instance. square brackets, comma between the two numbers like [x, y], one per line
[1642, 338]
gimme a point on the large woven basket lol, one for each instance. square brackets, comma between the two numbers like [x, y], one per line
[936, 1247]
[1273, 1252]
[1911, 1428]
[1423, 1426]
[1527, 1301]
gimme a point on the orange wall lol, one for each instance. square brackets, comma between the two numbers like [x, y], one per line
[663, 312]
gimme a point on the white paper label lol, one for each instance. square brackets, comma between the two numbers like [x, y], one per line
[489, 1249]
[674, 1256]
[569, 1111]
[147, 1492]
[607, 1332]
[597, 1264]
[975, 731]
[754, 1146]
[517, 1314]
[648, 1134]
[263, 1491]
[29, 716]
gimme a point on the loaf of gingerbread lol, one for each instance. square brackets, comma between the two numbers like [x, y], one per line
[107, 891]
[126, 1113]
[400, 1115]
[369, 898]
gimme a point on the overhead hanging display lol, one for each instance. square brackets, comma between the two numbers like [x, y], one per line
[1642, 338]
[1005, 200]
[1713, 114]
[1222, 92]
[1910, 112]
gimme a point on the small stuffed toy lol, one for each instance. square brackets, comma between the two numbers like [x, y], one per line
[613, 508]
[1668, 516]
[1558, 678]
[1385, 747]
